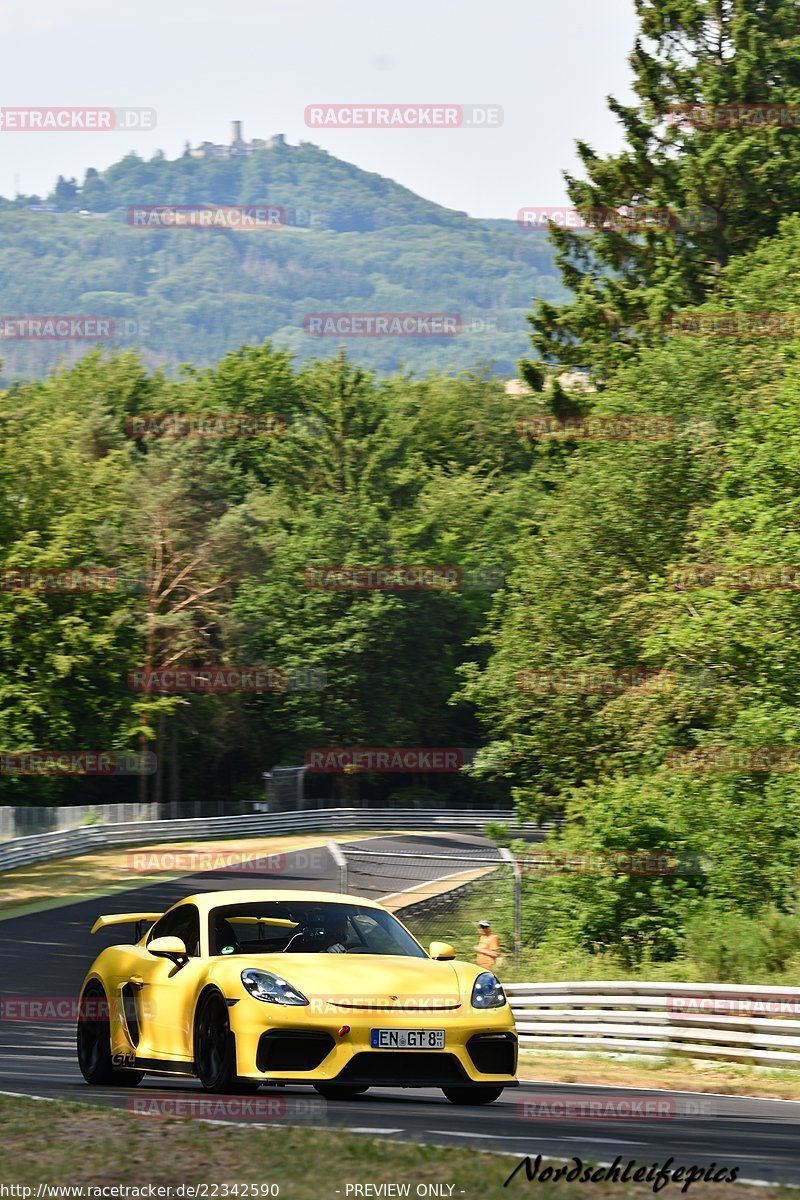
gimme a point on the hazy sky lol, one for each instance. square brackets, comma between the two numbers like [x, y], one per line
[201, 63]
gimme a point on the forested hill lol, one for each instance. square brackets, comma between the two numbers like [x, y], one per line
[346, 241]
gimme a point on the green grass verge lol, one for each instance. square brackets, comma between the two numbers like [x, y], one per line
[671, 1073]
[75, 1144]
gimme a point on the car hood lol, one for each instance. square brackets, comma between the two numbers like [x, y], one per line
[365, 981]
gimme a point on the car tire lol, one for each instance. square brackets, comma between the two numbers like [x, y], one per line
[214, 1048]
[340, 1091]
[94, 1042]
[472, 1095]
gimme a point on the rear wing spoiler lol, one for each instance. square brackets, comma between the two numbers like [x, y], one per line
[142, 921]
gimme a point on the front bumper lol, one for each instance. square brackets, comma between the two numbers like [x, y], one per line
[286, 1044]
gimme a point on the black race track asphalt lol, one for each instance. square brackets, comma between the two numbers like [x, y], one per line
[47, 954]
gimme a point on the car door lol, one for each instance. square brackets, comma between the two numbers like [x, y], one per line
[165, 991]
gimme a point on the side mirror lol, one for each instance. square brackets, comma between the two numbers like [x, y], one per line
[441, 950]
[168, 947]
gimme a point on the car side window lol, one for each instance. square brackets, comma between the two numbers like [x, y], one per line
[183, 922]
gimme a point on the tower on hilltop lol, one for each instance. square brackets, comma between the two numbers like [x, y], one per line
[237, 146]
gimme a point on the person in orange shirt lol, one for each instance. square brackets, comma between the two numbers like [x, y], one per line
[488, 946]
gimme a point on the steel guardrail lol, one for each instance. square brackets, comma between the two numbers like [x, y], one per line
[734, 1022]
[70, 843]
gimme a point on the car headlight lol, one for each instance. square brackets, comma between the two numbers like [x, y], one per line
[488, 992]
[271, 988]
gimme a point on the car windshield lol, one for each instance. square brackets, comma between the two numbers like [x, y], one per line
[308, 927]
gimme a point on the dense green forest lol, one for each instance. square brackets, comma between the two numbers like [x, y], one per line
[595, 592]
[347, 241]
[570, 546]
[211, 538]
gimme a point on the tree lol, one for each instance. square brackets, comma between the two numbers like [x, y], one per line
[594, 592]
[724, 185]
[64, 472]
[93, 192]
[350, 487]
[187, 536]
[66, 191]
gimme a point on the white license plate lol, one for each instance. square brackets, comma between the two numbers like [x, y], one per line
[406, 1039]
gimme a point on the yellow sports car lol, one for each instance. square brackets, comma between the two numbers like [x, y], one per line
[240, 988]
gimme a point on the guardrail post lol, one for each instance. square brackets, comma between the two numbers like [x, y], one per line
[508, 857]
[338, 857]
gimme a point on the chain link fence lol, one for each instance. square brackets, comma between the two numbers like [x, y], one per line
[442, 896]
[20, 821]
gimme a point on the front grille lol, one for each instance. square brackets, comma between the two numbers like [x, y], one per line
[493, 1053]
[404, 1068]
[292, 1050]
